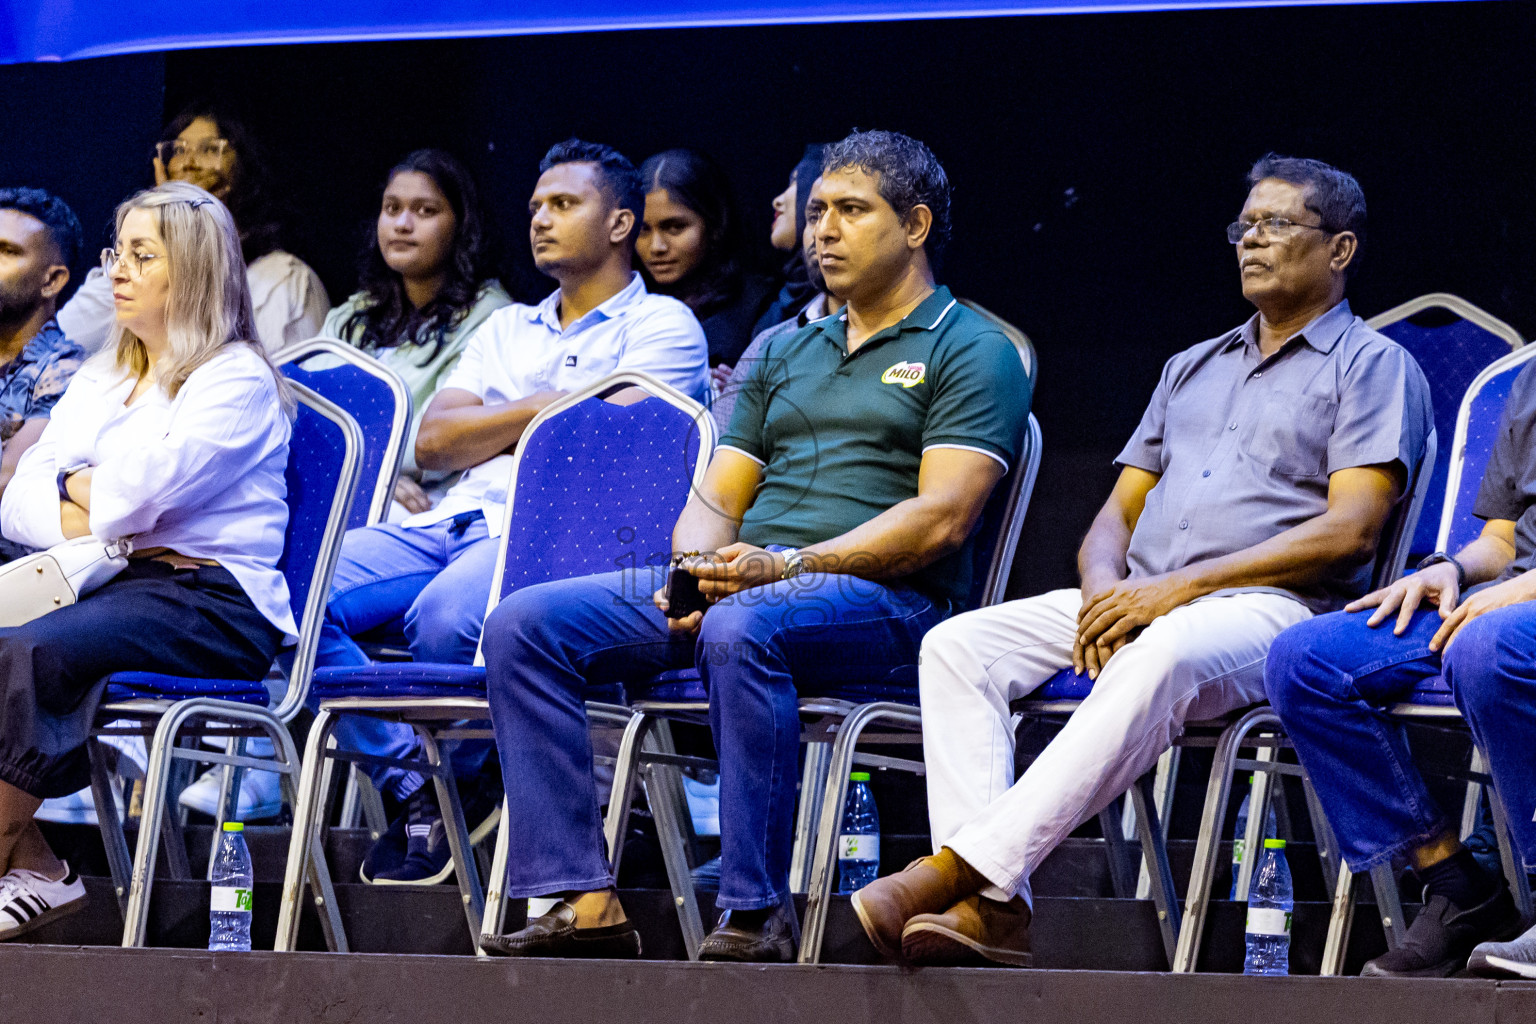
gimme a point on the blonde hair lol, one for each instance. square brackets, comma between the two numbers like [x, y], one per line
[209, 305]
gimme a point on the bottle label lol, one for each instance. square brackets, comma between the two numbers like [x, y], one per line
[1268, 921]
[227, 898]
[1238, 846]
[858, 847]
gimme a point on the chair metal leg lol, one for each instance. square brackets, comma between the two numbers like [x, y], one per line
[1163, 785]
[315, 867]
[660, 780]
[458, 832]
[228, 806]
[304, 844]
[1389, 904]
[1514, 866]
[493, 922]
[1208, 843]
[1154, 852]
[813, 781]
[824, 853]
[351, 814]
[1339, 923]
[1327, 842]
[1258, 817]
[151, 823]
[626, 776]
[119, 859]
[1122, 872]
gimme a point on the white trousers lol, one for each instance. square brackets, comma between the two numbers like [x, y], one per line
[1199, 661]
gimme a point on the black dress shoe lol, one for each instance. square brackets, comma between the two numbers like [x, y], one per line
[556, 935]
[771, 942]
[1442, 937]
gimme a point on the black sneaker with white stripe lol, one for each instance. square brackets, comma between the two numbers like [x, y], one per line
[28, 900]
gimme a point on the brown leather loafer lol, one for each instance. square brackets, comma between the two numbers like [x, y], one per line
[926, 886]
[556, 935]
[971, 931]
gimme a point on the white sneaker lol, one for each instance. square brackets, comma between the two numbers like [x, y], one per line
[28, 899]
[76, 809]
[261, 794]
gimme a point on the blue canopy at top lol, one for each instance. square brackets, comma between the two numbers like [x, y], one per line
[50, 30]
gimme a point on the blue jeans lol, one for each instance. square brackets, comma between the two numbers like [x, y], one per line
[757, 651]
[433, 583]
[1329, 679]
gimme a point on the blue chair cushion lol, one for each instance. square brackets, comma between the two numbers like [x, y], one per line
[1064, 685]
[684, 684]
[154, 686]
[680, 685]
[398, 679]
[1434, 692]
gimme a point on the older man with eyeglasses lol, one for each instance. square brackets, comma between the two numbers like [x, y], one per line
[1251, 497]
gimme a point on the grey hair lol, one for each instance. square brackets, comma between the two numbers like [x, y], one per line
[209, 305]
[908, 172]
[1332, 194]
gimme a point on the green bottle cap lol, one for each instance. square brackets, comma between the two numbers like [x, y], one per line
[234, 826]
[1274, 844]
[859, 777]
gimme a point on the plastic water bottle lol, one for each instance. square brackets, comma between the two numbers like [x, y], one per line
[1240, 833]
[229, 910]
[1270, 902]
[858, 842]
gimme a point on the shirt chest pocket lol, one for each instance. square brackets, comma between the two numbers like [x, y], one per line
[1290, 435]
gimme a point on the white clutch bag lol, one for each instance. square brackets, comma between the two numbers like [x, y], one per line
[48, 580]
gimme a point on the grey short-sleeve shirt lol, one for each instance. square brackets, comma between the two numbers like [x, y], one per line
[1508, 490]
[1244, 446]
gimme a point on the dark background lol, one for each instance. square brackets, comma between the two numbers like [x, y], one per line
[1096, 159]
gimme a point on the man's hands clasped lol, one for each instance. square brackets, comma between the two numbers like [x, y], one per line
[732, 569]
[1114, 612]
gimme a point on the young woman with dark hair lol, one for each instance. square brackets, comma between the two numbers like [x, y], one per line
[211, 149]
[690, 246]
[424, 284]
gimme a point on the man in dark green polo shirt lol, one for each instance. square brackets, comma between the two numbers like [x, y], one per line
[836, 523]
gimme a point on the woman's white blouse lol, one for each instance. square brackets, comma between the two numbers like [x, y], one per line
[201, 474]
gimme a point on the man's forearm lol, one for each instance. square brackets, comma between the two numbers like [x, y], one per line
[458, 438]
[906, 537]
[1306, 554]
[1101, 559]
[1484, 558]
[701, 528]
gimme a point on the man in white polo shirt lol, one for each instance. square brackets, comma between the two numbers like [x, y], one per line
[431, 574]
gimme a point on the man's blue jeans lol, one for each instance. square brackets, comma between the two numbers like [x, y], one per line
[1330, 677]
[757, 651]
[431, 581]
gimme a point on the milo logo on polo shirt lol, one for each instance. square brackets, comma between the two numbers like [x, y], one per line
[906, 374]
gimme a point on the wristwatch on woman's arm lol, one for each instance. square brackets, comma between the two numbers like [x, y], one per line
[1441, 556]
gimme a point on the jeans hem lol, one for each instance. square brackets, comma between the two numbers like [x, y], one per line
[1398, 848]
[549, 889]
[757, 903]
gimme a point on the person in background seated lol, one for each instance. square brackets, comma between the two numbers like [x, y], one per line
[785, 234]
[1471, 617]
[176, 436]
[832, 530]
[216, 152]
[1252, 496]
[690, 247]
[425, 284]
[430, 575]
[39, 242]
[823, 303]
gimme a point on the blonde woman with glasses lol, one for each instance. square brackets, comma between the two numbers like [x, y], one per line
[175, 436]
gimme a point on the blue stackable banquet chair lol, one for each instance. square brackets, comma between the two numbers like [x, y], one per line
[596, 485]
[377, 398]
[1453, 341]
[1475, 430]
[833, 724]
[324, 459]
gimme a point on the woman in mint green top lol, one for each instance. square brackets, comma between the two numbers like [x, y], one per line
[425, 284]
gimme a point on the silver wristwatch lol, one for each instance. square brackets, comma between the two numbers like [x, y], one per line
[794, 563]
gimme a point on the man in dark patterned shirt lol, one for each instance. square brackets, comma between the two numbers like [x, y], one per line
[39, 241]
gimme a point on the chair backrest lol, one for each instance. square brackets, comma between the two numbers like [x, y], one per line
[374, 396]
[1398, 533]
[598, 485]
[1453, 341]
[324, 465]
[1020, 340]
[1477, 426]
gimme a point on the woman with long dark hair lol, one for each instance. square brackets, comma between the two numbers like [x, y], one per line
[690, 247]
[425, 283]
[209, 148]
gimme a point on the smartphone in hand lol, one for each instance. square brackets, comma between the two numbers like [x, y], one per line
[683, 597]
